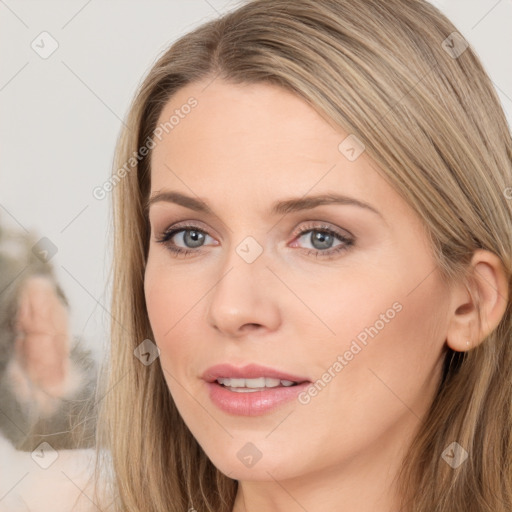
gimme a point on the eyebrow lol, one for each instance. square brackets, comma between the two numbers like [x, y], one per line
[278, 208]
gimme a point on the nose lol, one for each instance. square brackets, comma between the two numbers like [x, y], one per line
[244, 298]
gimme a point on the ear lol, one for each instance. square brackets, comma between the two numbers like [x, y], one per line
[487, 292]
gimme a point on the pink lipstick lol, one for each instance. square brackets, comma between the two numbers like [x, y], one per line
[251, 390]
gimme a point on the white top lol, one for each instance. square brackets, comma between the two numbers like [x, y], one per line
[46, 480]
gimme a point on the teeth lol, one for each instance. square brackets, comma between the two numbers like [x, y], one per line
[260, 382]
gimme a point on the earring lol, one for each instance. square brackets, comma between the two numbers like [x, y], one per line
[468, 343]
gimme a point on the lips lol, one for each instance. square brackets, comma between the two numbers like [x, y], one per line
[251, 390]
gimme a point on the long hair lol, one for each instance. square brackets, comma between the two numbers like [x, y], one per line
[395, 75]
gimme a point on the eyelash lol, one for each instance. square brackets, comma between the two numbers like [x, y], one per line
[328, 254]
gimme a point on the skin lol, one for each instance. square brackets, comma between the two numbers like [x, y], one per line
[42, 324]
[242, 148]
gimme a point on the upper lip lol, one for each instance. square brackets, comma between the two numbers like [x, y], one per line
[250, 371]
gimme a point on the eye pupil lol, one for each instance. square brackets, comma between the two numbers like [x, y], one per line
[324, 238]
[195, 237]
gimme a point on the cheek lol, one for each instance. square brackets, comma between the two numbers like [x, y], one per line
[170, 300]
[387, 335]
[168, 294]
[390, 343]
[159, 301]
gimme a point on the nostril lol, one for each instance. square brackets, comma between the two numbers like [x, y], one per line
[251, 326]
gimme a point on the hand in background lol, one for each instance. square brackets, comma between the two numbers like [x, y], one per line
[42, 344]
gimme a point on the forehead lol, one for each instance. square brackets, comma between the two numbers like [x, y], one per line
[256, 140]
[264, 119]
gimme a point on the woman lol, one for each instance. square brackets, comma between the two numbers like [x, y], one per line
[312, 269]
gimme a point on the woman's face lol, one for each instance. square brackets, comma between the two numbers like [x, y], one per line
[342, 299]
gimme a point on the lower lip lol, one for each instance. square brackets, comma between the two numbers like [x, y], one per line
[252, 403]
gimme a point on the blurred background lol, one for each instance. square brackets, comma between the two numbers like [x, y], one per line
[68, 72]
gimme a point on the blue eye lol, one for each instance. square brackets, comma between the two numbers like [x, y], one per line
[323, 241]
[322, 238]
[192, 237]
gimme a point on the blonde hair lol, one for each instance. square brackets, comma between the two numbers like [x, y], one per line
[431, 120]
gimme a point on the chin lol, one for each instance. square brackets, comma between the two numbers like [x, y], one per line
[245, 460]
